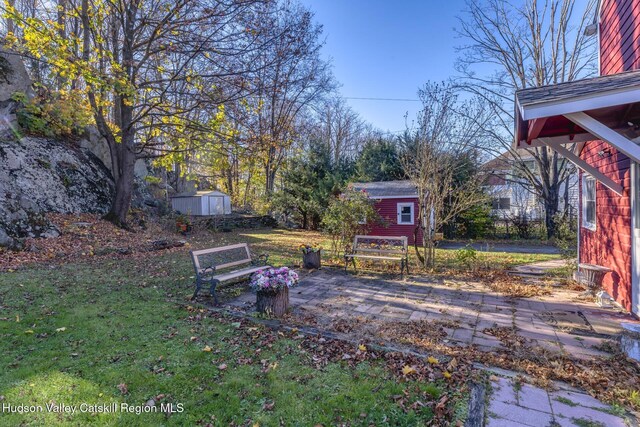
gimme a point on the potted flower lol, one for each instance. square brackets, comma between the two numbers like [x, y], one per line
[272, 289]
[310, 256]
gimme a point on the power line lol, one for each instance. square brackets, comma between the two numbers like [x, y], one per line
[383, 99]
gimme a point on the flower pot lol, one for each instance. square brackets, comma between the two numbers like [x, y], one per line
[273, 303]
[311, 259]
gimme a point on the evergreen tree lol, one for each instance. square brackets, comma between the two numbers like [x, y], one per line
[379, 161]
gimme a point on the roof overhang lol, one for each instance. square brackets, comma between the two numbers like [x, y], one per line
[602, 108]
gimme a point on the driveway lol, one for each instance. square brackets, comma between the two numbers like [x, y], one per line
[516, 248]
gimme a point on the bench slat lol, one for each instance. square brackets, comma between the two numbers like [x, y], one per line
[237, 273]
[221, 248]
[373, 257]
[393, 251]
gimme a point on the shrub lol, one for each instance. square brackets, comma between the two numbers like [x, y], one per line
[344, 216]
[53, 114]
[566, 238]
[466, 255]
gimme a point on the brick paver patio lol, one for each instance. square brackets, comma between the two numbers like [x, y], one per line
[518, 405]
[559, 322]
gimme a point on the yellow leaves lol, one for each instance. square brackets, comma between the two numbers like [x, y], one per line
[17, 318]
[61, 329]
[408, 370]
[446, 374]
[207, 348]
[29, 331]
[362, 347]
[432, 360]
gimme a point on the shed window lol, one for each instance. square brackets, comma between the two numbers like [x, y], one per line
[589, 202]
[405, 213]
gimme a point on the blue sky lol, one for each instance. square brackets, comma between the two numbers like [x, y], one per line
[388, 49]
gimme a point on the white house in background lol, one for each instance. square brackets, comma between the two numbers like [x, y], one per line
[202, 203]
[512, 195]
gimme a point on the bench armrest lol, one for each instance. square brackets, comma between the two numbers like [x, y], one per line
[206, 270]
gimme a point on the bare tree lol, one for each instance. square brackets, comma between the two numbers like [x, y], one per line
[537, 43]
[435, 160]
[296, 77]
[341, 128]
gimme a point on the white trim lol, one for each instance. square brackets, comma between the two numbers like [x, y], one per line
[635, 238]
[399, 207]
[628, 95]
[391, 197]
[589, 225]
[602, 131]
[586, 167]
[597, 19]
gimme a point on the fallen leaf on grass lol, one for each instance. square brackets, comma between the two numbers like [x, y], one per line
[206, 348]
[28, 331]
[407, 370]
[362, 347]
[222, 366]
[123, 388]
[268, 406]
[61, 329]
[432, 360]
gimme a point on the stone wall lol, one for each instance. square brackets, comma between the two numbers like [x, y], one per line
[230, 222]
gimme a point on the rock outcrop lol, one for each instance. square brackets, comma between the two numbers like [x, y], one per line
[40, 175]
[13, 75]
[94, 142]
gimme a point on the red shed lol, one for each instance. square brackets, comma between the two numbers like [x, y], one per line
[397, 204]
[596, 124]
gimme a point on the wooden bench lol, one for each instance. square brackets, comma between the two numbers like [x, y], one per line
[224, 263]
[383, 248]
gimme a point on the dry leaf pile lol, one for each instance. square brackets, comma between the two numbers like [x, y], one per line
[506, 284]
[87, 236]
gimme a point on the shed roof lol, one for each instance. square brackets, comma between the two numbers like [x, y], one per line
[199, 194]
[387, 189]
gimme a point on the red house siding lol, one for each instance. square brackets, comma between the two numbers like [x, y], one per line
[619, 36]
[388, 210]
[610, 244]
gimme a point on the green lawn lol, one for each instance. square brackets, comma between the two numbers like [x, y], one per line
[116, 332]
[102, 331]
[282, 245]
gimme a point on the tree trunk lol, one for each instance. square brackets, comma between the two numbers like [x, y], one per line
[550, 210]
[124, 186]
[273, 303]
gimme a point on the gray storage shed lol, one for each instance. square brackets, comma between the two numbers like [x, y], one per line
[202, 203]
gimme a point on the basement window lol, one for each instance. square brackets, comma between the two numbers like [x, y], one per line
[589, 202]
